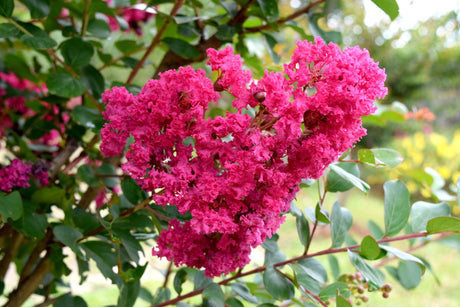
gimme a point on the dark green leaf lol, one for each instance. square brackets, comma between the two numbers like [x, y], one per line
[269, 8]
[335, 182]
[233, 302]
[19, 66]
[132, 191]
[38, 42]
[182, 48]
[108, 169]
[65, 85]
[397, 207]
[6, 8]
[84, 220]
[98, 28]
[179, 279]
[145, 295]
[303, 229]
[306, 281]
[77, 52]
[390, 7]
[271, 42]
[409, 274]
[162, 295]
[243, 291]
[350, 178]
[369, 248]
[32, 224]
[341, 301]
[443, 224]
[132, 246]
[127, 46]
[272, 257]
[277, 285]
[86, 174]
[422, 211]
[341, 221]
[49, 195]
[88, 117]
[313, 268]
[214, 294]
[374, 277]
[105, 257]
[11, 206]
[225, 32]
[67, 300]
[321, 215]
[128, 294]
[93, 80]
[330, 291]
[38, 8]
[8, 30]
[69, 236]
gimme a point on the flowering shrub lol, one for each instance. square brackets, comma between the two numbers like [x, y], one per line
[101, 173]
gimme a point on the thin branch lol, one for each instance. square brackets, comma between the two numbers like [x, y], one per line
[10, 253]
[168, 273]
[295, 259]
[316, 297]
[283, 20]
[155, 40]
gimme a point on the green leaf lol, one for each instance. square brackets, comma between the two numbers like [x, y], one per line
[321, 215]
[375, 230]
[38, 42]
[132, 191]
[67, 300]
[6, 8]
[108, 169]
[93, 80]
[225, 32]
[336, 183]
[105, 257]
[132, 246]
[350, 178]
[65, 85]
[86, 174]
[277, 285]
[409, 274]
[303, 229]
[69, 236]
[334, 266]
[162, 295]
[269, 8]
[128, 294]
[32, 224]
[403, 255]
[182, 48]
[98, 28]
[49, 195]
[201, 281]
[331, 290]
[341, 221]
[38, 8]
[271, 42]
[341, 301]
[380, 157]
[179, 279]
[243, 291]
[128, 46]
[443, 224]
[88, 117]
[312, 268]
[8, 30]
[374, 277]
[422, 211]
[77, 52]
[390, 7]
[214, 294]
[11, 206]
[133, 274]
[397, 207]
[369, 248]
[233, 302]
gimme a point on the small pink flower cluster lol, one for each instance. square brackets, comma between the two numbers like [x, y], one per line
[133, 17]
[18, 175]
[236, 175]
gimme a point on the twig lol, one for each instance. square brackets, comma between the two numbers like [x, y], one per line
[155, 41]
[168, 273]
[10, 253]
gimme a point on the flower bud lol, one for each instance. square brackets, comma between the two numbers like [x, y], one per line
[260, 96]
[217, 86]
[386, 295]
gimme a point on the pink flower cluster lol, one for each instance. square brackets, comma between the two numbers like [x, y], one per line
[18, 174]
[237, 174]
[133, 17]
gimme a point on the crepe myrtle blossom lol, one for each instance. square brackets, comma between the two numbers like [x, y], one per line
[237, 174]
[18, 174]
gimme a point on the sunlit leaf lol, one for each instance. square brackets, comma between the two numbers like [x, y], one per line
[443, 224]
[277, 285]
[390, 7]
[397, 207]
[422, 211]
[341, 221]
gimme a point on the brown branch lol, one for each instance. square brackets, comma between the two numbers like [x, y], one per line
[70, 147]
[168, 273]
[10, 252]
[283, 20]
[155, 40]
[295, 259]
[30, 284]
[35, 254]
